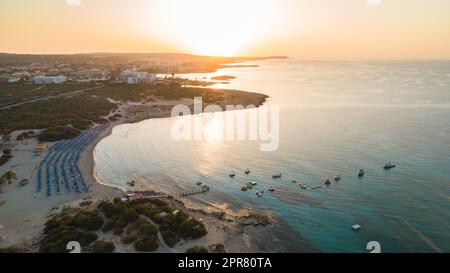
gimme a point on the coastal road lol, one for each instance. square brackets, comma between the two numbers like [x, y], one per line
[63, 95]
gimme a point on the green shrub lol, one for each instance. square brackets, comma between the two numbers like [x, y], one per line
[192, 229]
[142, 227]
[103, 247]
[4, 159]
[170, 238]
[57, 133]
[117, 231]
[146, 244]
[118, 211]
[147, 229]
[88, 220]
[128, 239]
[86, 238]
[197, 249]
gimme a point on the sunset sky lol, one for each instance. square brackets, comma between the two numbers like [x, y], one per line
[309, 29]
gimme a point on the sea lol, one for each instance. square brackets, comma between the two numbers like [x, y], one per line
[335, 118]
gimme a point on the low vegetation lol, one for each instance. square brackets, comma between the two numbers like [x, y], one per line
[8, 177]
[64, 117]
[136, 222]
[5, 157]
[70, 225]
[101, 246]
[197, 249]
[21, 92]
[56, 133]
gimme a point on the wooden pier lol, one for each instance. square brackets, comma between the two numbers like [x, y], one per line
[198, 190]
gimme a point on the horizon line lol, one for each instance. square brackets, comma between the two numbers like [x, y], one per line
[244, 57]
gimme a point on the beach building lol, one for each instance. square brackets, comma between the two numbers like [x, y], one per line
[131, 76]
[49, 79]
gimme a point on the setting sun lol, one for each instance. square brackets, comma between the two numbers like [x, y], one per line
[218, 28]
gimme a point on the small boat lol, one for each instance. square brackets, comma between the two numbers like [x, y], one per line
[249, 186]
[271, 189]
[316, 187]
[302, 185]
[199, 183]
[258, 194]
[388, 166]
[294, 181]
[253, 183]
[337, 177]
[244, 189]
[327, 182]
[232, 174]
[361, 173]
[23, 182]
[356, 227]
[247, 171]
[276, 175]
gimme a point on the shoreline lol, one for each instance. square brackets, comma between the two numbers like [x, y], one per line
[26, 227]
[232, 229]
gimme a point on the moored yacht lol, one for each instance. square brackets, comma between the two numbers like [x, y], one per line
[276, 175]
[389, 165]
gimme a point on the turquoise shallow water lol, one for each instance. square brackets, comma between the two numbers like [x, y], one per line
[335, 118]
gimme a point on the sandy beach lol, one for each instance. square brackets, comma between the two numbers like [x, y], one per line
[23, 211]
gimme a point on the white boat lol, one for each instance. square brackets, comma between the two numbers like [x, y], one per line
[247, 171]
[337, 177]
[276, 175]
[232, 174]
[356, 227]
[253, 183]
[388, 166]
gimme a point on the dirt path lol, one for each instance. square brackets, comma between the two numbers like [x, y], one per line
[63, 95]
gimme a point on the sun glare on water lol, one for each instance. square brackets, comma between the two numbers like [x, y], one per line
[218, 27]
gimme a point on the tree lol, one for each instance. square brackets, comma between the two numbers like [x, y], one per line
[9, 176]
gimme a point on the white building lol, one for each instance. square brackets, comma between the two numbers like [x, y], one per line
[49, 80]
[136, 77]
[13, 80]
